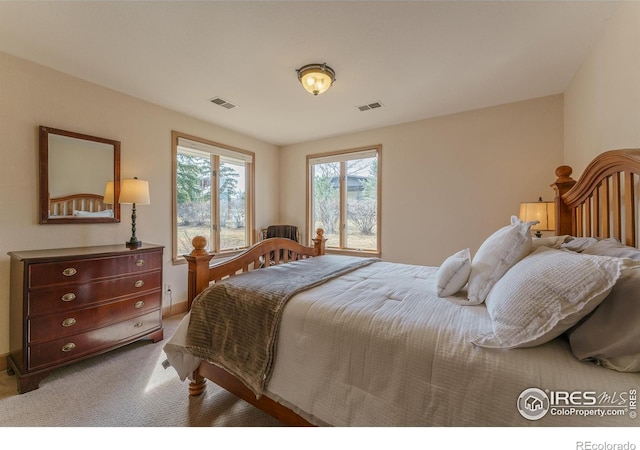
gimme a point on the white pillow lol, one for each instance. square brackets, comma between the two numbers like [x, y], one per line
[497, 254]
[579, 244]
[551, 241]
[627, 363]
[104, 213]
[611, 335]
[612, 247]
[454, 273]
[545, 294]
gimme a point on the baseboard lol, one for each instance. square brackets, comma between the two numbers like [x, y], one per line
[3, 362]
[178, 308]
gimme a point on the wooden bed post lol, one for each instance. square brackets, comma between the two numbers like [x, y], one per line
[563, 213]
[198, 272]
[319, 242]
[197, 385]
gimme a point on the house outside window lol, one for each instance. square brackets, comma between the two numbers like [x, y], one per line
[213, 195]
[344, 199]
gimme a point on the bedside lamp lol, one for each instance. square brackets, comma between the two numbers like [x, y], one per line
[543, 212]
[107, 199]
[134, 191]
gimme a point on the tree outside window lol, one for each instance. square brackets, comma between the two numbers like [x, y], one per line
[212, 183]
[344, 199]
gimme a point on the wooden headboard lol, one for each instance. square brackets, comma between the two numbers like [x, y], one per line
[64, 206]
[603, 202]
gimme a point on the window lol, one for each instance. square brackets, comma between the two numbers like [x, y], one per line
[213, 195]
[344, 198]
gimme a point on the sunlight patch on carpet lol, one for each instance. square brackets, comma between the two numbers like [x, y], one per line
[159, 375]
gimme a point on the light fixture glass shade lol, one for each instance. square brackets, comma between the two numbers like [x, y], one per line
[543, 212]
[316, 78]
[108, 194]
[134, 191]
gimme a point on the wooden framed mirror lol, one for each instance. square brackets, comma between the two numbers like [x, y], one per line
[79, 178]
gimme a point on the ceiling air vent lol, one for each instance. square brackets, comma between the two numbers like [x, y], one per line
[373, 105]
[221, 102]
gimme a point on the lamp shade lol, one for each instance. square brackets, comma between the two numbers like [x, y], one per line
[543, 212]
[108, 193]
[316, 78]
[134, 191]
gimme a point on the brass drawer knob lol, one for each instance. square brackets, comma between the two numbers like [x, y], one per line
[68, 297]
[138, 325]
[139, 283]
[140, 262]
[69, 322]
[68, 347]
[69, 272]
[139, 304]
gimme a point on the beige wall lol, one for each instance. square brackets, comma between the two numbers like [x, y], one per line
[448, 182]
[32, 95]
[602, 103]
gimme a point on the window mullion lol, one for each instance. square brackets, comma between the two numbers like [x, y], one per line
[343, 204]
[215, 214]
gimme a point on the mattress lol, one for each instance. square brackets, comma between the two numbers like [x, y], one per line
[377, 347]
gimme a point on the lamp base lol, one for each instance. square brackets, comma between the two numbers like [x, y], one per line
[133, 244]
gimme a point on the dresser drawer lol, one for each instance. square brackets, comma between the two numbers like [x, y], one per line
[59, 325]
[76, 346]
[70, 297]
[85, 270]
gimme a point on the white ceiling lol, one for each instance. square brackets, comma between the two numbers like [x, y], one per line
[420, 59]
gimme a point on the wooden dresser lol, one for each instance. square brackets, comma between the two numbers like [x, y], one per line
[70, 304]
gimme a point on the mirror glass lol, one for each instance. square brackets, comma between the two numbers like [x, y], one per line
[79, 178]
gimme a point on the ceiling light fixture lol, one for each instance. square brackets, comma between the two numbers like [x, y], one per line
[316, 78]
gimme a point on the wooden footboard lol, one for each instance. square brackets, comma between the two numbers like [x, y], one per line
[201, 274]
[65, 206]
[268, 252]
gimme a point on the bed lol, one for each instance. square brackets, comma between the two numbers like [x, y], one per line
[498, 338]
[79, 205]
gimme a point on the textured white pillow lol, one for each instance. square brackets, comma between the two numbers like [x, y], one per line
[544, 295]
[497, 254]
[454, 273]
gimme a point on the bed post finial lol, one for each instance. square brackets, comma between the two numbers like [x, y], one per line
[564, 174]
[319, 242]
[199, 243]
[198, 271]
[563, 183]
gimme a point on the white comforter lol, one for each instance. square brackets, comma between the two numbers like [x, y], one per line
[377, 347]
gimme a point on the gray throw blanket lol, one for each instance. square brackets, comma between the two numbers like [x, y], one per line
[234, 324]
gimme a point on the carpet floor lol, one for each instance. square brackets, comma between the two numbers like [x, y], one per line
[127, 387]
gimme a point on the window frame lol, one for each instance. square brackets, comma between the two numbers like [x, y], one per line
[342, 156]
[224, 150]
